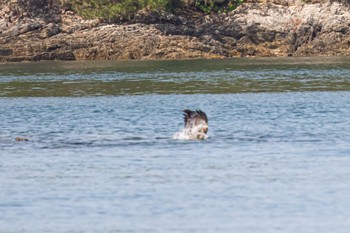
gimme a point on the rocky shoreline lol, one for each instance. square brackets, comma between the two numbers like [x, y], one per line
[41, 30]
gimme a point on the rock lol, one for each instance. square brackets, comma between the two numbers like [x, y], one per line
[39, 30]
[50, 30]
[6, 52]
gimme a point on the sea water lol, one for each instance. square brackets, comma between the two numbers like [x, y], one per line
[101, 156]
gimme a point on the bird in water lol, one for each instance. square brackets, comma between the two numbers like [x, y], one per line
[196, 125]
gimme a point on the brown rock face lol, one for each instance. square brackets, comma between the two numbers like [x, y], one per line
[35, 30]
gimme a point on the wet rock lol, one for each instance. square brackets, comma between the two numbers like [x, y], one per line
[66, 55]
[6, 52]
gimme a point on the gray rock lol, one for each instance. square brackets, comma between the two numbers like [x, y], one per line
[40, 31]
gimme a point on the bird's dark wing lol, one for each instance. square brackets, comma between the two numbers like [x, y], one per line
[192, 117]
[202, 115]
[188, 115]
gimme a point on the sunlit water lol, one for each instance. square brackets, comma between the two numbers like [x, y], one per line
[101, 155]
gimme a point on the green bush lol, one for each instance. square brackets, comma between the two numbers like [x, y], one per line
[117, 10]
[211, 6]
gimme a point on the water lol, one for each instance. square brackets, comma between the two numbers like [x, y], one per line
[101, 155]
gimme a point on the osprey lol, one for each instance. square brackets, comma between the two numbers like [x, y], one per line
[196, 124]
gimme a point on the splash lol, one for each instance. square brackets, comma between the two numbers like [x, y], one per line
[186, 134]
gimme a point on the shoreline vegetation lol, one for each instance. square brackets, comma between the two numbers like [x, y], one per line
[34, 30]
[116, 11]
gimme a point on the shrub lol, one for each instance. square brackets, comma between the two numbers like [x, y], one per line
[103, 9]
[217, 5]
[117, 10]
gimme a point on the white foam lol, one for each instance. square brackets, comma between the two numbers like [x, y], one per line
[186, 135]
[181, 135]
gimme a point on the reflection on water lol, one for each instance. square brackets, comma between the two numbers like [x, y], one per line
[174, 77]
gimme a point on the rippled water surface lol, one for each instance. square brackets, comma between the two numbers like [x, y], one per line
[101, 155]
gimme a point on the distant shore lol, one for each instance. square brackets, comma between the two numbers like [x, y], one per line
[269, 29]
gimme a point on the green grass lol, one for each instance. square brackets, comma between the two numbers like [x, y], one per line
[118, 10]
[210, 6]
